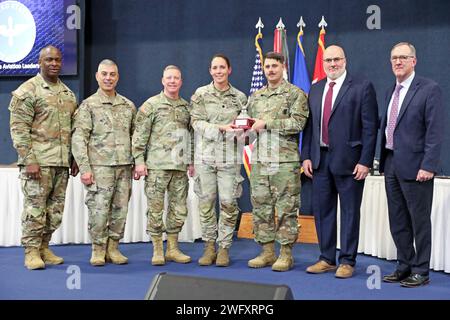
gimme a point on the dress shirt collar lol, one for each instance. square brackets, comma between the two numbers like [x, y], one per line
[339, 81]
[407, 83]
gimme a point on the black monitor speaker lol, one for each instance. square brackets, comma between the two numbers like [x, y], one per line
[180, 287]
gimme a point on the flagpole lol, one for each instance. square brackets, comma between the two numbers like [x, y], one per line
[280, 46]
[319, 73]
[301, 24]
[257, 83]
[323, 24]
[259, 26]
[300, 76]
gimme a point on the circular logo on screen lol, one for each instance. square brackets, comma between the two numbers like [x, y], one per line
[17, 31]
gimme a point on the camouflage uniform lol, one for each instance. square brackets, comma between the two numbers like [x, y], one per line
[217, 161]
[162, 142]
[101, 144]
[41, 124]
[275, 177]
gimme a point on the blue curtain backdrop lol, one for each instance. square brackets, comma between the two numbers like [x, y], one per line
[144, 36]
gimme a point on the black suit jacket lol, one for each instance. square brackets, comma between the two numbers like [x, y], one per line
[419, 131]
[352, 128]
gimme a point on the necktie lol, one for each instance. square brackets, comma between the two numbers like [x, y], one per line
[393, 118]
[327, 112]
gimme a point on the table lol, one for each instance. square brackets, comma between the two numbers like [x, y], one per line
[375, 238]
[75, 219]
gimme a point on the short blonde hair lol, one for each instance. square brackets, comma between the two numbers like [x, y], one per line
[170, 67]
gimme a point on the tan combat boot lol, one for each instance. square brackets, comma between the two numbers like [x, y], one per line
[266, 258]
[172, 251]
[33, 259]
[223, 259]
[113, 254]
[285, 261]
[47, 255]
[158, 251]
[209, 254]
[98, 254]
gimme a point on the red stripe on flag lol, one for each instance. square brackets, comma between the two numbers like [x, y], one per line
[319, 73]
[247, 158]
[277, 44]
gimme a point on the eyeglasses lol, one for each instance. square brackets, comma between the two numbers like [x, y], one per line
[335, 60]
[401, 58]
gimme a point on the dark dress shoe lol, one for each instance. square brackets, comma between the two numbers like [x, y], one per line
[396, 276]
[415, 280]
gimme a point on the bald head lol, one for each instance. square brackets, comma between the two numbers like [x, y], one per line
[334, 50]
[47, 50]
[50, 61]
[334, 62]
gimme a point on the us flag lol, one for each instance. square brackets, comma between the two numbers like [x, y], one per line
[258, 79]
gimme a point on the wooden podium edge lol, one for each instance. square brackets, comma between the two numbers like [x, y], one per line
[307, 230]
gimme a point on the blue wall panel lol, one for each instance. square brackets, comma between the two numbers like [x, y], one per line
[144, 36]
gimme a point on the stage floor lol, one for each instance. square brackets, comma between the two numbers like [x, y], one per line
[131, 282]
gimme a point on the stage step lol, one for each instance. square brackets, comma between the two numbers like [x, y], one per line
[307, 228]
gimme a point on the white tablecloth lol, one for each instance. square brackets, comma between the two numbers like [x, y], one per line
[375, 238]
[75, 219]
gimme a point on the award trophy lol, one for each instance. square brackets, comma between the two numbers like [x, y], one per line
[243, 120]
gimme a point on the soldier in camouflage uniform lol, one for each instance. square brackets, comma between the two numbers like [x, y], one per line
[41, 125]
[101, 144]
[217, 163]
[280, 110]
[162, 153]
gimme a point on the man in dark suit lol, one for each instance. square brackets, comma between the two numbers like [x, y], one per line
[411, 136]
[338, 149]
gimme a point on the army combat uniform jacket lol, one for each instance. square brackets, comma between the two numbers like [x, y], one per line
[210, 109]
[285, 111]
[103, 130]
[41, 122]
[162, 138]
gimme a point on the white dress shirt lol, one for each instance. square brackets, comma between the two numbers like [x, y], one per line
[339, 81]
[402, 93]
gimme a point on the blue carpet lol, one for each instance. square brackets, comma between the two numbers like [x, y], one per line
[133, 280]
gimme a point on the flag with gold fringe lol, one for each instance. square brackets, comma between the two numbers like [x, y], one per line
[319, 73]
[300, 76]
[258, 81]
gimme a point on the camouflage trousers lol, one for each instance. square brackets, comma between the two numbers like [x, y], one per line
[43, 204]
[227, 179]
[275, 187]
[177, 186]
[107, 200]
